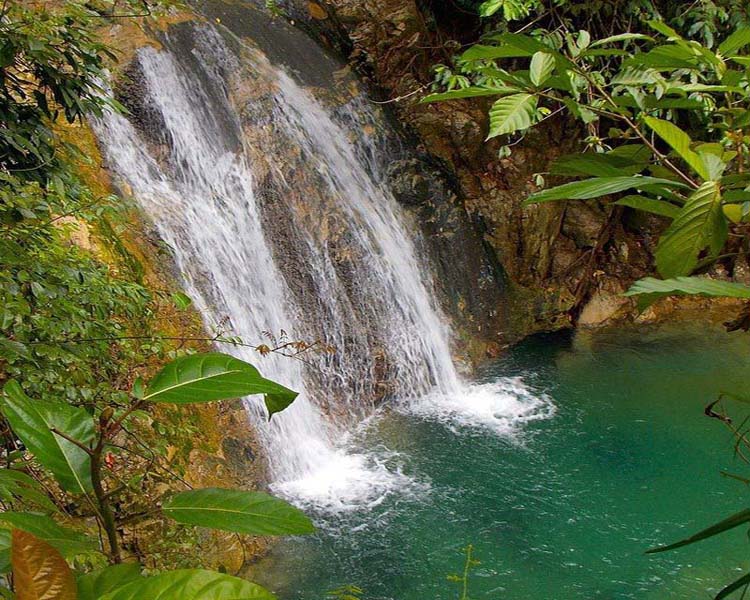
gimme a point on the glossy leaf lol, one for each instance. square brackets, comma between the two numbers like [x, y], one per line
[542, 65]
[96, 584]
[470, 92]
[595, 188]
[736, 41]
[621, 37]
[190, 584]
[68, 542]
[210, 377]
[512, 113]
[254, 513]
[4, 550]
[649, 289]
[39, 571]
[735, 520]
[699, 225]
[16, 484]
[657, 207]
[679, 141]
[33, 421]
[596, 165]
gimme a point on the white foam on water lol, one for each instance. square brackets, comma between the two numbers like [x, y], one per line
[503, 407]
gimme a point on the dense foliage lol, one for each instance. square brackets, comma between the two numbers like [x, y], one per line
[73, 332]
[664, 118]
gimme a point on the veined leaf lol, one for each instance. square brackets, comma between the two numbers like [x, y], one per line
[679, 141]
[67, 542]
[512, 113]
[5, 565]
[622, 37]
[96, 584]
[700, 224]
[738, 40]
[254, 513]
[657, 207]
[594, 188]
[214, 376]
[470, 92]
[687, 286]
[16, 484]
[735, 520]
[542, 65]
[181, 301]
[597, 165]
[664, 58]
[39, 571]
[190, 584]
[33, 421]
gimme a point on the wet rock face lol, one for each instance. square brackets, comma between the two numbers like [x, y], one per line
[554, 257]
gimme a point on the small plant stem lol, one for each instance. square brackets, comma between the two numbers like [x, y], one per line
[105, 510]
[465, 578]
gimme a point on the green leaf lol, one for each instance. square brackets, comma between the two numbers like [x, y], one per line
[33, 421]
[679, 141]
[734, 586]
[664, 58]
[16, 484]
[542, 65]
[700, 224]
[210, 377]
[622, 37]
[67, 542]
[11, 349]
[597, 165]
[96, 584]
[735, 520]
[4, 550]
[510, 45]
[181, 301]
[254, 513]
[657, 207]
[190, 584]
[470, 92]
[594, 188]
[512, 113]
[738, 40]
[650, 289]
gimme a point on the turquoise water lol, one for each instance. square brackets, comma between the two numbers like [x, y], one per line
[558, 508]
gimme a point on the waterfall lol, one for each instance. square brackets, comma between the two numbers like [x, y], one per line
[279, 220]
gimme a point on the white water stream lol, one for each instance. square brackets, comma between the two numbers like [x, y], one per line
[331, 223]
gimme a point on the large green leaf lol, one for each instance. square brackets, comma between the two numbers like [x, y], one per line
[700, 224]
[512, 113]
[649, 289]
[470, 92]
[735, 520]
[657, 207]
[734, 42]
[190, 584]
[621, 37]
[33, 421]
[214, 376]
[67, 542]
[542, 65]
[679, 142]
[594, 188]
[94, 585]
[252, 513]
[596, 165]
[16, 484]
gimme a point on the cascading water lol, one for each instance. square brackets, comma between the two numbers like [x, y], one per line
[278, 220]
